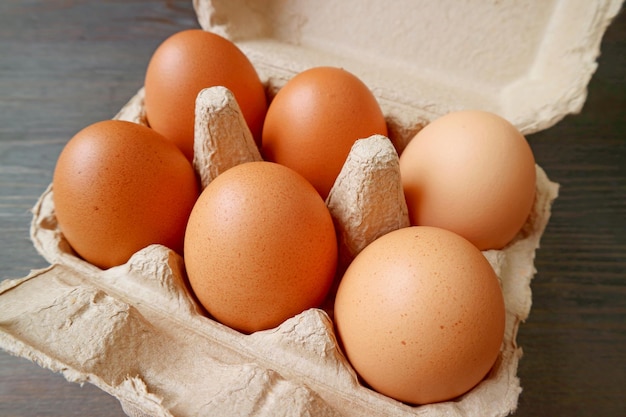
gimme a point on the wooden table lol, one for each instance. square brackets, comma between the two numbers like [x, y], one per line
[66, 64]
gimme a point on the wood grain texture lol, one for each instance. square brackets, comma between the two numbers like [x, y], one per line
[67, 63]
[574, 341]
[63, 65]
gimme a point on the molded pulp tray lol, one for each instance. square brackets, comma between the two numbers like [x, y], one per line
[136, 332]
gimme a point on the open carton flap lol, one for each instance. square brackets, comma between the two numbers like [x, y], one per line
[528, 61]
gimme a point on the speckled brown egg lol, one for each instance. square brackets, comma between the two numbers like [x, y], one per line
[420, 315]
[183, 65]
[314, 120]
[119, 187]
[260, 246]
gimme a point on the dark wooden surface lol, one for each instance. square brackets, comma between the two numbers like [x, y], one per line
[67, 63]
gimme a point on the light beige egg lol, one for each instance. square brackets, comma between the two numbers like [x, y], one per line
[471, 172]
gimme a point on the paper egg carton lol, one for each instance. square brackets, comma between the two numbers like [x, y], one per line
[135, 330]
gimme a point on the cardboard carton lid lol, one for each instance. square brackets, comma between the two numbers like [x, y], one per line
[528, 61]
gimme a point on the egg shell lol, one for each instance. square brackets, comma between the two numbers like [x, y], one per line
[260, 246]
[182, 66]
[119, 187]
[314, 120]
[471, 172]
[420, 315]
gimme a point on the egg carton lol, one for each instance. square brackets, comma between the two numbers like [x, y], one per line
[136, 330]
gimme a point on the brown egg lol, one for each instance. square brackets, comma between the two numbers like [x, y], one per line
[188, 62]
[119, 187]
[314, 120]
[471, 172]
[260, 246]
[420, 315]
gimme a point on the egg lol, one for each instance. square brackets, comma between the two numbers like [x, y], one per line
[186, 63]
[420, 315]
[314, 120]
[260, 246]
[471, 172]
[118, 187]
